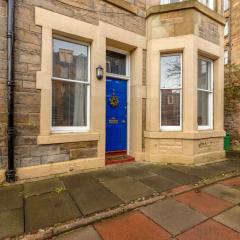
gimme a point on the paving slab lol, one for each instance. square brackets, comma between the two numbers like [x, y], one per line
[176, 176]
[83, 181]
[230, 218]
[158, 183]
[11, 223]
[232, 182]
[223, 192]
[44, 186]
[203, 202]
[48, 209]
[136, 172]
[11, 197]
[96, 199]
[209, 170]
[128, 189]
[133, 226]
[87, 233]
[175, 217]
[106, 174]
[209, 230]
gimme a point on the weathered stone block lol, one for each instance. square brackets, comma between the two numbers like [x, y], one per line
[54, 158]
[83, 153]
[31, 161]
[29, 58]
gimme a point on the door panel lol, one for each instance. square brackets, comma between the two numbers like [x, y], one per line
[116, 115]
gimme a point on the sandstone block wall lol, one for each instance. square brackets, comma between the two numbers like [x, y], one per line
[28, 61]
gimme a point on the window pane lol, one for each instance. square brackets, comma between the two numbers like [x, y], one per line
[116, 63]
[70, 60]
[171, 71]
[169, 1]
[203, 108]
[170, 107]
[69, 103]
[204, 74]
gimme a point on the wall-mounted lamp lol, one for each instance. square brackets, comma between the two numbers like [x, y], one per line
[99, 72]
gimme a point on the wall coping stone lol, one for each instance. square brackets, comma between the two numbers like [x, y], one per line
[190, 4]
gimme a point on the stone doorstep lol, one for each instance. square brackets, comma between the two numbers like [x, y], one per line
[59, 229]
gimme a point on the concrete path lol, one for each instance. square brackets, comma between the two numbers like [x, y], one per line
[213, 213]
[26, 208]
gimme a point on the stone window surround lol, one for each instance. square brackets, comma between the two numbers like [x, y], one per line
[190, 56]
[190, 4]
[99, 36]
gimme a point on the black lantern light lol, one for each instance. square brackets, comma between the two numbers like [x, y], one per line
[99, 72]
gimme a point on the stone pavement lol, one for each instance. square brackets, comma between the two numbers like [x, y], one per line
[31, 206]
[211, 213]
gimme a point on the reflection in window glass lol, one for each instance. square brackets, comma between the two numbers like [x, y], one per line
[116, 63]
[169, 1]
[205, 93]
[70, 84]
[69, 104]
[170, 101]
[171, 90]
[70, 60]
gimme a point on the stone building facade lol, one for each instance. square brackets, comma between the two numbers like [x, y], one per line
[189, 34]
[232, 69]
[232, 29]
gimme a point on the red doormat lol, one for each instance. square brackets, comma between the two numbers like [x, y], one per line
[118, 157]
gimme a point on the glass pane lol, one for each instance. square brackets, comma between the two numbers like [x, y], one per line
[69, 103]
[170, 107]
[203, 108]
[204, 74]
[169, 1]
[70, 60]
[171, 71]
[116, 63]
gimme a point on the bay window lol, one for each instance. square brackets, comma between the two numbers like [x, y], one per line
[205, 94]
[171, 92]
[70, 86]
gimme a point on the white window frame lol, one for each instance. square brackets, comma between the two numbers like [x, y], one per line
[226, 57]
[69, 129]
[226, 29]
[210, 98]
[162, 2]
[172, 128]
[209, 3]
[226, 4]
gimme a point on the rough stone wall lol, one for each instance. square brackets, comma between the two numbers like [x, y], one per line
[235, 32]
[184, 22]
[232, 102]
[3, 74]
[232, 74]
[28, 61]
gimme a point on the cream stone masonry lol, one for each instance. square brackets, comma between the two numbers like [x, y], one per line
[188, 146]
[99, 36]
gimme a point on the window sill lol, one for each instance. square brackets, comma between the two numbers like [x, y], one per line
[67, 137]
[185, 135]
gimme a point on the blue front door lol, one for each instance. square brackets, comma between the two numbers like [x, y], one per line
[116, 115]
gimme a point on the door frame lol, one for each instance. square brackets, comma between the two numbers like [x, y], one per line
[124, 78]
